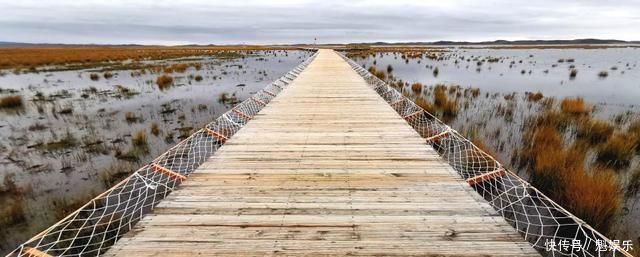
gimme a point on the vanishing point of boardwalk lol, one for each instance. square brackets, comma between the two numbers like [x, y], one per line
[327, 168]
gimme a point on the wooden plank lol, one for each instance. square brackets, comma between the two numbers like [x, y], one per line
[327, 168]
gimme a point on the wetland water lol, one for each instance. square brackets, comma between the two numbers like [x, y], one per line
[80, 131]
[489, 89]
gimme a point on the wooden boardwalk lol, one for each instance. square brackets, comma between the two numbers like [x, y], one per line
[328, 168]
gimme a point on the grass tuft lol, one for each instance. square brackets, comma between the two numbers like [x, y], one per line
[164, 81]
[595, 132]
[617, 151]
[574, 106]
[11, 102]
[593, 197]
[155, 129]
[416, 87]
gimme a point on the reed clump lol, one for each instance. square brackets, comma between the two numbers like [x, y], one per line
[139, 139]
[574, 106]
[593, 196]
[617, 152]
[416, 87]
[594, 131]
[11, 102]
[534, 97]
[573, 73]
[164, 81]
[378, 73]
[155, 129]
[424, 104]
[603, 74]
[131, 117]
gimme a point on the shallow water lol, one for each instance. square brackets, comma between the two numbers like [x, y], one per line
[543, 71]
[61, 148]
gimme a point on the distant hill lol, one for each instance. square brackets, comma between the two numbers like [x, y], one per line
[7, 44]
[585, 41]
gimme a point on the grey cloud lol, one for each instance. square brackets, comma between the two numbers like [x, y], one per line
[227, 22]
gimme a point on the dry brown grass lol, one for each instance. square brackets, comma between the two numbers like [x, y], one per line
[139, 139]
[25, 58]
[164, 81]
[573, 73]
[440, 95]
[617, 151]
[11, 102]
[155, 129]
[603, 74]
[425, 105]
[574, 106]
[416, 87]
[12, 213]
[594, 131]
[559, 170]
[593, 196]
[131, 117]
[534, 97]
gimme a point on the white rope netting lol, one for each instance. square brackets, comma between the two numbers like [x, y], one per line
[550, 229]
[96, 226]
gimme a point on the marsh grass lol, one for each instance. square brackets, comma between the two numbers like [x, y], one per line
[573, 73]
[534, 97]
[131, 117]
[139, 139]
[617, 151]
[90, 57]
[574, 106]
[416, 87]
[594, 131]
[68, 141]
[12, 212]
[593, 196]
[11, 102]
[155, 129]
[164, 81]
[603, 74]
[424, 104]
[107, 75]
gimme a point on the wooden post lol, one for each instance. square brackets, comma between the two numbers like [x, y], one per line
[437, 137]
[33, 252]
[487, 176]
[413, 114]
[216, 135]
[269, 93]
[258, 101]
[242, 114]
[168, 172]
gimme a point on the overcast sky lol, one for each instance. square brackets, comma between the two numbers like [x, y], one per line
[265, 22]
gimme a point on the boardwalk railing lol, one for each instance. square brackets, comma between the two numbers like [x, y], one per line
[96, 226]
[550, 229]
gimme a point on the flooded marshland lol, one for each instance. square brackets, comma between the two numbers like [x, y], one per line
[69, 133]
[566, 119]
